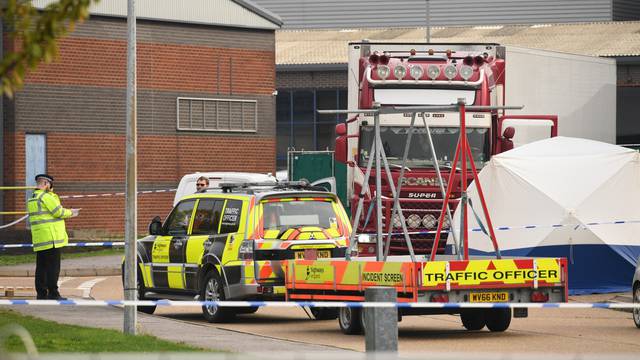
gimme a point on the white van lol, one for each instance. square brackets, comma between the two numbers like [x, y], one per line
[187, 184]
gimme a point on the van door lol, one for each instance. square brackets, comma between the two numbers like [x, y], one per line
[168, 253]
[205, 233]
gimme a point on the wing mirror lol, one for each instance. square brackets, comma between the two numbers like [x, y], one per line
[155, 227]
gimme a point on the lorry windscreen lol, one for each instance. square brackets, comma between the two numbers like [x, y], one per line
[445, 139]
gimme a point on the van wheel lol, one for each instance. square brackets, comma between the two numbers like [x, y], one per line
[350, 320]
[213, 290]
[498, 320]
[141, 291]
[472, 319]
[324, 313]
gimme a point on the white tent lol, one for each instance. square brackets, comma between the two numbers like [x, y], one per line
[568, 197]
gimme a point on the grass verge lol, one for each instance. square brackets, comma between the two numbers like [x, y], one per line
[50, 336]
[6, 260]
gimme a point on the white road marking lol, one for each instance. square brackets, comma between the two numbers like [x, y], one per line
[88, 285]
[63, 280]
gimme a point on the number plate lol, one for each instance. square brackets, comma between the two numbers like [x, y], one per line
[312, 254]
[501, 296]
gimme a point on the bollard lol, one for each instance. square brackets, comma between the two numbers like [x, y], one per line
[381, 324]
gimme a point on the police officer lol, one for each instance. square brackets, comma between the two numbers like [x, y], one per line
[48, 234]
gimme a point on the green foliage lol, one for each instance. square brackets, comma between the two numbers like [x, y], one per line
[50, 336]
[36, 34]
[7, 260]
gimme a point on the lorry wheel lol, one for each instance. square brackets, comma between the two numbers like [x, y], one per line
[472, 319]
[350, 320]
[324, 313]
[141, 290]
[213, 290]
[498, 319]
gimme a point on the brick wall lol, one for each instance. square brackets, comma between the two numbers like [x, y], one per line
[79, 103]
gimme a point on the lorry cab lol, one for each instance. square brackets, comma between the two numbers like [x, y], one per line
[230, 243]
[384, 74]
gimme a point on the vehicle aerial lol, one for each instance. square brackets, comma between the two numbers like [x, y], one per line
[399, 74]
[229, 243]
[187, 185]
[635, 286]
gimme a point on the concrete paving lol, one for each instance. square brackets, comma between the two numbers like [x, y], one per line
[108, 265]
[200, 335]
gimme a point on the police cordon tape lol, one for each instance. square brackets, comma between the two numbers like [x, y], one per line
[499, 228]
[72, 244]
[74, 197]
[286, 304]
[524, 227]
[14, 222]
[114, 194]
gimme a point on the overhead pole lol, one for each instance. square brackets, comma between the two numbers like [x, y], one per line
[428, 20]
[131, 204]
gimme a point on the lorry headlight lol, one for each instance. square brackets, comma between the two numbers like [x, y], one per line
[429, 221]
[414, 221]
[416, 71]
[466, 72]
[399, 72]
[450, 72]
[397, 222]
[433, 71]
[383, 71]
[364, 239]
[446, 224]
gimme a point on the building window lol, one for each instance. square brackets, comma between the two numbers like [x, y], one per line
[35, 159]
[298, 124]
[197, 114]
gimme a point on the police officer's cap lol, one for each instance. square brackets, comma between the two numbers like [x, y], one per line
[45, 177]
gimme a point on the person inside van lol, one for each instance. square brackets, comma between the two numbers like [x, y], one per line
[202, 184]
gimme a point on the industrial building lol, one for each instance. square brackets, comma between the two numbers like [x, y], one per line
[206, 79]
[312, 48]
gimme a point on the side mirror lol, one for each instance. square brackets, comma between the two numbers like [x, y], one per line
[155, 227]
[341, 129]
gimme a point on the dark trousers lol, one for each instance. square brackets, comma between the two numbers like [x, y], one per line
[47, 273]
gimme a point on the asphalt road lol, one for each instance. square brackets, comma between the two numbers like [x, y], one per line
[561, 331]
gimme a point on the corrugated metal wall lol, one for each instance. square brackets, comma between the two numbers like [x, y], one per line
[626, 9]
[216, 12]
[401, 13]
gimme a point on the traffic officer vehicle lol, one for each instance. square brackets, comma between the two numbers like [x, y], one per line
[230, 244]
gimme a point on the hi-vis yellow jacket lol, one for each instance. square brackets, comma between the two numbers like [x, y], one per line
[46, 216]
